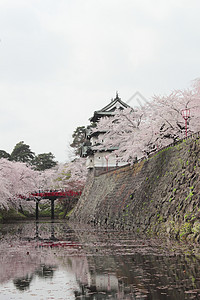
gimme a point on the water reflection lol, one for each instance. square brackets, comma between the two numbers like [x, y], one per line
[44, 260]
[43, 272]
[39, 231]
[23, 283]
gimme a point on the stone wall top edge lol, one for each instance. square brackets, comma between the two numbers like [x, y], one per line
[113, 171]
[131, 166]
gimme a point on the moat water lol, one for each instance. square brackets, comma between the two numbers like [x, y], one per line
[58, 260]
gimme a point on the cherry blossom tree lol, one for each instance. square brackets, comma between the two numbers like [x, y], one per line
[71, 175]
[122, 131]
[167, 113]
[140, 131]
[17, 180]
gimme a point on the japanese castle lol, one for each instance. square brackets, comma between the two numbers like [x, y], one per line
[101, 160]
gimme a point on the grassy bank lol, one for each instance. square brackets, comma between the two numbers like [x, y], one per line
[11, 214]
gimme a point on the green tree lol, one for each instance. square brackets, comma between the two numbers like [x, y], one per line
[22, 153]
[4, 154]
[78, 139]
[44, 161]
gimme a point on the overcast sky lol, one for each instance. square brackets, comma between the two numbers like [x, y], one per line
[60, 60]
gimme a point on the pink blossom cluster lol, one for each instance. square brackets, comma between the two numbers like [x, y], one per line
[19, 180]
[138, 132]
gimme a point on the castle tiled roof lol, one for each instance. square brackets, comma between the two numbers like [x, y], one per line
[109, 109]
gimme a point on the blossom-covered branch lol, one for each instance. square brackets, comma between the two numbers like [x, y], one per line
[137, 132]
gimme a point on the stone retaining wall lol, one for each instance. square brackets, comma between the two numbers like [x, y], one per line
[159, 195]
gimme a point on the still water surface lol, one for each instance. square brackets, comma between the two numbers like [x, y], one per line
[46, 260]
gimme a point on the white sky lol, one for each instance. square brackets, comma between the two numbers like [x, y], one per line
[62, 59]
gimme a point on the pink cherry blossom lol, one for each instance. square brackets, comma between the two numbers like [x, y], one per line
[138, 132]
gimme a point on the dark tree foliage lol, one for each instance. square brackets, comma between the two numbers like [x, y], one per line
[22, 153]
[78, 139]
[4, 154]
[44, 161]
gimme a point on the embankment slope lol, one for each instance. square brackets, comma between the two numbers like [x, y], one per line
[159, 195]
